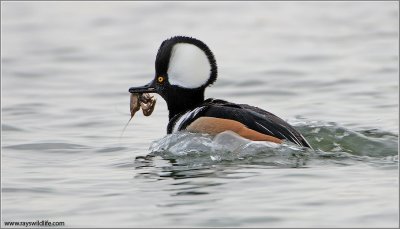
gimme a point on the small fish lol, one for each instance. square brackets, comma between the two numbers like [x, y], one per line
[134, 104]
[137, 101]
[147, 103]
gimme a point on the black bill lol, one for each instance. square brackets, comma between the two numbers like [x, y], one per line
[148, 88]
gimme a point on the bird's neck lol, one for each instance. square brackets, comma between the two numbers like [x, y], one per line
[184, 101]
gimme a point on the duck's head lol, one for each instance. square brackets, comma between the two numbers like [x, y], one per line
[185, 66]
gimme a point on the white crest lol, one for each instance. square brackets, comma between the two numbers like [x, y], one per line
[189, 66]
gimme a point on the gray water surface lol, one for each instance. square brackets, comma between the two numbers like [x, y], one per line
[328, 68]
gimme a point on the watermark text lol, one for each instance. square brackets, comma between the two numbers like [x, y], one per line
[37, 223]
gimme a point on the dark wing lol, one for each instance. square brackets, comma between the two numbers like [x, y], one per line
[254, 118]
[275, 125]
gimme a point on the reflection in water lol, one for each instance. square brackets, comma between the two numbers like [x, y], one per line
[152, 166]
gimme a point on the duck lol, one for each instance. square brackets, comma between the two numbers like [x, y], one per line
[184, 68]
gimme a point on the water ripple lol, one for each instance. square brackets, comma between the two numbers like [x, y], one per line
[46, 146]
[5, 127]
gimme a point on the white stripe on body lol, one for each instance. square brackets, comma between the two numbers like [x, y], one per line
[265, 128]
[184, 117]
[295, 138]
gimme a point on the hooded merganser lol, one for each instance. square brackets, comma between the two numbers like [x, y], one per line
[185, 66]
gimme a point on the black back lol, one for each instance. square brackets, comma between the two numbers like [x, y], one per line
[252, 117]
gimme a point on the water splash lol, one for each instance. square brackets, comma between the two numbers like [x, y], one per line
[332, 143]
[330, 137]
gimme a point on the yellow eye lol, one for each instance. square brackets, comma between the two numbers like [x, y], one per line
[160, 79]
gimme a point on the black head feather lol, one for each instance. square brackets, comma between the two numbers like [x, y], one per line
[164, 54]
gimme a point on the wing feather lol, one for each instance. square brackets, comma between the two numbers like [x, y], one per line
[253, 117]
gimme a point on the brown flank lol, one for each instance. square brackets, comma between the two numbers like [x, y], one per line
[215, 126]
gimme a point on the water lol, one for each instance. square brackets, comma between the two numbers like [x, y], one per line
[330, 69]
